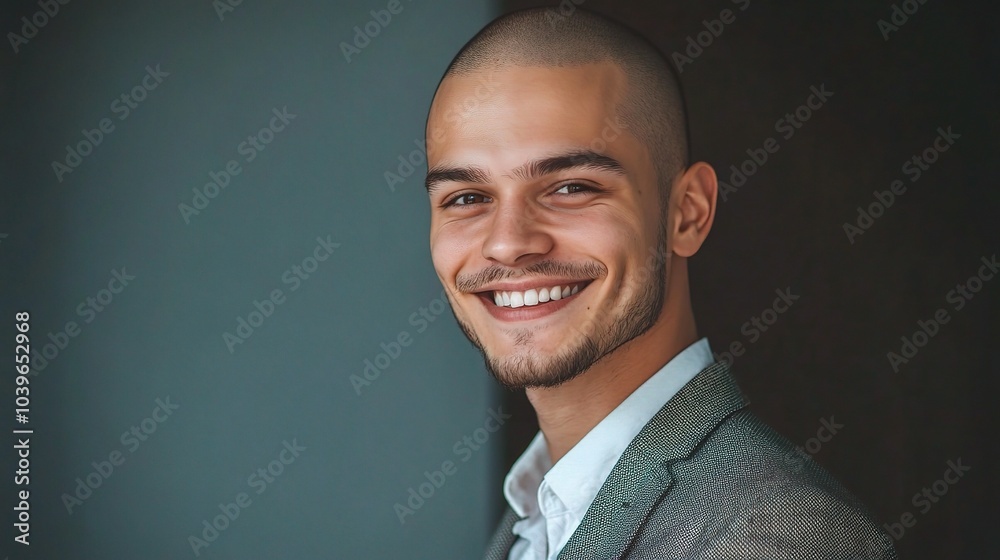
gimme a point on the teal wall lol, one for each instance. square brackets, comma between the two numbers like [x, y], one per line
[240, 403]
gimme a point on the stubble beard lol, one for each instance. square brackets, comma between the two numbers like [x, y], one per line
[529, 370]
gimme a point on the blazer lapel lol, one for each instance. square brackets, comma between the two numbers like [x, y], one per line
[642, 477]
[503, 538]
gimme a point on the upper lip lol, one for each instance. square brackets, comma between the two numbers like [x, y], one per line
[532, 283]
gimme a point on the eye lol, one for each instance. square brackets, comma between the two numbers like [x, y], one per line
[466, 199]
[575, 188]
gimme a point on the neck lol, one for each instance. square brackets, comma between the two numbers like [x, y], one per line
[568, 412]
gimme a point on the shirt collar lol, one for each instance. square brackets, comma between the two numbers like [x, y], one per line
[520, 488]
[578, 476]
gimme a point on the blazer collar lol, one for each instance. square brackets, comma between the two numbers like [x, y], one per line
[642, 475]
[503, 538]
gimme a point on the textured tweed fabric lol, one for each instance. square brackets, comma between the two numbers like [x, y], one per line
[706, 479]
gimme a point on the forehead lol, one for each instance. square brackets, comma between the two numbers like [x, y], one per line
[519, 110]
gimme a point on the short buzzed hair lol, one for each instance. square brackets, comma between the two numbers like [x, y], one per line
[653, 107]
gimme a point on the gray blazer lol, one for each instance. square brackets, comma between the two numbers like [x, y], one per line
[705, 478]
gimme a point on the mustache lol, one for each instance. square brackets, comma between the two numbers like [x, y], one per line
[471, 283]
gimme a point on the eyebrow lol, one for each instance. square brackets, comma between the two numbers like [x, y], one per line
[576, 159]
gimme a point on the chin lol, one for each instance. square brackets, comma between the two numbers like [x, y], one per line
[530, 368]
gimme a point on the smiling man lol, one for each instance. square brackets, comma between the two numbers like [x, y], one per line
[564, 209]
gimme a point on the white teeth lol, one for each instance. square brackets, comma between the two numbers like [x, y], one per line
[516, 299]
[531, 297]
[534, 296]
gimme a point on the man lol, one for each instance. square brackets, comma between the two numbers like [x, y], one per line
[563, 212]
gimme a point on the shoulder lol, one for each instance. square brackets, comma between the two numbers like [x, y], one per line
[746, 491]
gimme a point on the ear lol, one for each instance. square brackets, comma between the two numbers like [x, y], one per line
[693, 199]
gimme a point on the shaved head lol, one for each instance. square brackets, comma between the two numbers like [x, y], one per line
[652, 108]
[553, 145]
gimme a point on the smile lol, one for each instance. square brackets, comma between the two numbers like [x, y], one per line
[535, 296]
[533, 302]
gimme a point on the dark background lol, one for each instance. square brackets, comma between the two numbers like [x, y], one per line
[826, 356]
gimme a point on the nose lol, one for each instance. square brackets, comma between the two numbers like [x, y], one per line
[516, 234]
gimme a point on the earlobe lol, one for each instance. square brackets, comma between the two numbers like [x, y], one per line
[694, 199]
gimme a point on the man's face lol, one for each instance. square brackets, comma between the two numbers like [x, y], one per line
[537, 187]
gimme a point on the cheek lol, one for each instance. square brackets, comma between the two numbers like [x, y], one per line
[449, 249]
[611, 235]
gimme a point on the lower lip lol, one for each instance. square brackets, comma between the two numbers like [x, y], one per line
[527, 313]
